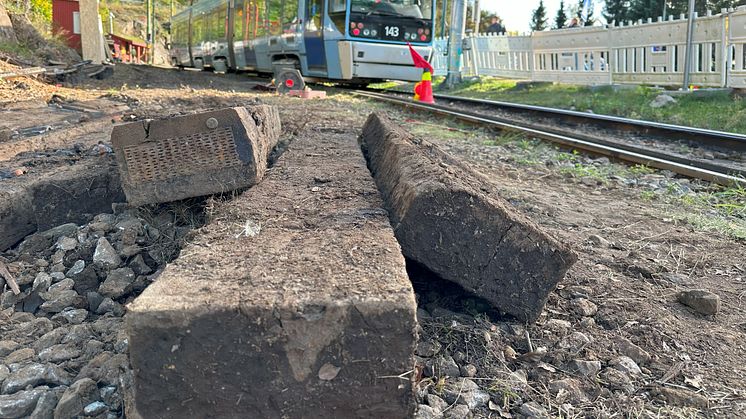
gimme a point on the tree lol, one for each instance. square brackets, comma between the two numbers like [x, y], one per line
[616, 10]
[539, 18]
[561, 19]
[589, 20]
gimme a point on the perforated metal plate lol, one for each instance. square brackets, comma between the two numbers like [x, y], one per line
[185, 155]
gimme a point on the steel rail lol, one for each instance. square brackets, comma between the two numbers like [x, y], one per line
[727, 140]
[690, 168]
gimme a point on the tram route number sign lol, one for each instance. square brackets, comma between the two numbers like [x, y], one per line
[393, 32]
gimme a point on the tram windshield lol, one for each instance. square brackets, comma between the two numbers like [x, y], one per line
[418, 9]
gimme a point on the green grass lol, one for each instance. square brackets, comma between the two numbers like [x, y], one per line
[718, 111]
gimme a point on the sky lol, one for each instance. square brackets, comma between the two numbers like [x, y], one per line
[516, 15]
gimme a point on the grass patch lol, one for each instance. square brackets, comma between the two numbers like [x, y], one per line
[717, 111]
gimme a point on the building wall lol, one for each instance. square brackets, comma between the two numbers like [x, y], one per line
[63, 12]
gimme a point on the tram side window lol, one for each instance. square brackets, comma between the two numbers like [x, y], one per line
[337, 13]
[221, 24]
[275, 17]
[198, 30]
[260, 18]
[238, 21]
[290, 21]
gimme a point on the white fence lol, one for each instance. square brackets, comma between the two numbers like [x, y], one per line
[632, 53]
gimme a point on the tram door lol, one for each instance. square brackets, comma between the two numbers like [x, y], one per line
[313, 35]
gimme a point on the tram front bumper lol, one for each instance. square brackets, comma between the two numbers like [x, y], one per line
[365, 60]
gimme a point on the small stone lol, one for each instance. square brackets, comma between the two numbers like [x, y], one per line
[438, 404]
[4, 372]
[585, 368]
[45, 406]
[7, 346]
[626, 365]
[447, 367]
[681, 397]
[76, 269]
[568, 389]
[631, 350]
[597, 240]
[468, 370]
[50, 338]
[105, 256]
[94, 300]
[20, 355]
[55, 233]
[34, 375]
[427, 349]
[465, 391]
[617, 380]
[59, 353]
[557, 324]
[533, 410]
[72, 316]
[110, 306]
[67, 243]
[64, 285]
[426, 412]
[139, 266]
[57, 276]
[584, 307]
[574, 342]
[79, 395]
[95, 408]
[58, 301]
[20, 404]
[662, 100]
[702, 301]
[117, 283]
[42, 282]
[459, 411]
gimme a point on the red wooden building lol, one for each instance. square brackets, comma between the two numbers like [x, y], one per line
[127, 49]
[66, 21]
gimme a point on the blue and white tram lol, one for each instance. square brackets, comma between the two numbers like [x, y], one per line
[349, 41]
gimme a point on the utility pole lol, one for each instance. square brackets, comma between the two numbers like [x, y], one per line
[477, 17]
[688, 56]
[147, 27]
[455, 42]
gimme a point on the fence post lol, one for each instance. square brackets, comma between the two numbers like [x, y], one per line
[688, 56]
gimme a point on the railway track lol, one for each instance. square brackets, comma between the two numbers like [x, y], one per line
[683, 165]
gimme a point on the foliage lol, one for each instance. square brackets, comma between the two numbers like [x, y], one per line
[539, 18]
[634, 10]
[561, 18]
[42, 9]
[590, 19]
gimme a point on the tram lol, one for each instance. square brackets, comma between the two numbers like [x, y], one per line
[344, 41]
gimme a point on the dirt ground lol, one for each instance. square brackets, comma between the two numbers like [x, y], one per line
[618, 303]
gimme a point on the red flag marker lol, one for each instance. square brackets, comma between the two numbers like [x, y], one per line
[423, 91]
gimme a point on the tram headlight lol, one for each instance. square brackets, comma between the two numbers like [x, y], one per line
[373, 32]
[366, 32]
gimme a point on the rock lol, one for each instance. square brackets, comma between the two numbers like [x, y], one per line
[7, 346]
[558, 324]
[574, 342]
[438, 404]
[59, 353]
[626, 347]
[4, 373]
[58, 301]
[45, 406]
[105, 256]
[110, 396]
[76, 269]
[72, 316]
[426, 412]
[95, 408]
[626, 365]
[702, 301]
[34, 375]
[20, 355]
[139, 266]
[468, 370]
[459, 411]
[105, 368]
[110, 306]
[681, 397]
[465, 391]
[68, 230]
[79, 395]
[427, 349]
[661, 101]
[67, 243]
[533, 410]
[42, 282]
[94, 300]
[117, 283]
[19, 404]
[585, 368]
[583, 307]
[50, 338]
[617, 380]
[568, 389]
[64, 285]
[598, 240]
[447, 367]
[78, 334]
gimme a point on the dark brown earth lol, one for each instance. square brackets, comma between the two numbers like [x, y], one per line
[635, 256]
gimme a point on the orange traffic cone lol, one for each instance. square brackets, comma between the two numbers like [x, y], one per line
[423, 91]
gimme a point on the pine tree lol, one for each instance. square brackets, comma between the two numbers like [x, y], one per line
[561, 19]
[589, 20]
[615, 10]
[539, 18]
